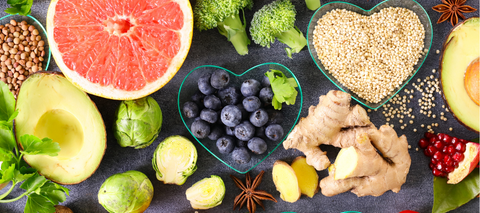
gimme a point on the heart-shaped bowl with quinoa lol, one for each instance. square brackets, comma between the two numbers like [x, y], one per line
[370, 54]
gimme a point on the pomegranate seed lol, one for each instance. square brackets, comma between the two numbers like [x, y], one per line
[444, 150]
[439, 145]
[431, 150]
[449, 169]
[460, 147]
[431, 165]
[440, 166]
[463, 141]
[432, 140]
[447, 138]
[434, 161]
[425, 152]
[440, 136]
[423, 143]
[451, 150]
[438, 156]
[429, 135]
[436, 172]
[458, 157]
[455, 140]
[455, 164]
[448, 160]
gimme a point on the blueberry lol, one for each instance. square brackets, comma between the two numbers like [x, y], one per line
[200, 129]
[229, 96]
[244, 131]
[259, 117]
[265, 81]
[241, 155]
[225, 144]
[257, 145]
[266, 96]
[212, 102]
[230, 130]
[241, 143]
[251, 103]
[242, 109]
[209, 115]
[274, 132]
[204, 84]
[198, 98]
[274, 116]
[231, 115]
[216, 132]
[260, 132]
[250, 87]
[190, 109]
[219, 79]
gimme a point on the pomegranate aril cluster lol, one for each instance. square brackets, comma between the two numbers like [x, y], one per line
[445, 152]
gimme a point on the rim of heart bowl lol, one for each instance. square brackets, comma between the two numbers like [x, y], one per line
[291, 113]
[408, 4]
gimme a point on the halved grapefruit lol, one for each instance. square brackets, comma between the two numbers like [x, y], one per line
[120, 49]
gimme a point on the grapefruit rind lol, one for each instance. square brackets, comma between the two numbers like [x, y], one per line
[110, 91]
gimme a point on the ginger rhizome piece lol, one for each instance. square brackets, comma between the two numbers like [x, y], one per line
[307, 176]
[358, 167]
[286, 181]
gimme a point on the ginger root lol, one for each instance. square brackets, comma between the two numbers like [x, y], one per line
[286, 181]
[307, 176]
[358, 167]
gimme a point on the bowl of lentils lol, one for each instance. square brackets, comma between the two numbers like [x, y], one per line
[24, 49]
[370, 54]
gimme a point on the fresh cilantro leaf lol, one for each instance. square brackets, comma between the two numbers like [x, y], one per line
[33, 183]
[53, 193]
[38, 204]
[7, 102]
[283, 88]
[8, 174]
[32, 145]
[21, 176]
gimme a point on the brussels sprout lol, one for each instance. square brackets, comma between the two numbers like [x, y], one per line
[206, 193]
[174, 160]
[126, 192]
[138, 122]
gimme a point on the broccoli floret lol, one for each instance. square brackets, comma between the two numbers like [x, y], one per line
[277, 20]
[225, 16]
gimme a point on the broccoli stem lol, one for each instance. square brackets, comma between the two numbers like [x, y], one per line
[292, 38]
[312, 4]
[233, 28]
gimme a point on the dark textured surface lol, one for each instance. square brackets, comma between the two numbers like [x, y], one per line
[209, 47]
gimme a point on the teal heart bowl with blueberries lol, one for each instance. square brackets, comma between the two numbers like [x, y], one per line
[287, 117]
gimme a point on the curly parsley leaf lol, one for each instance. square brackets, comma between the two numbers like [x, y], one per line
[32, 145]
[283, 88]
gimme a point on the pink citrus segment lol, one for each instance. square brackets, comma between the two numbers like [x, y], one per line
[73, 13]
[169, 16]
[166, 42]
[120, 49]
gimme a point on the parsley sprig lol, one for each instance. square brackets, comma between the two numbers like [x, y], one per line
[42, 194]
[283, 88]
[20, 7]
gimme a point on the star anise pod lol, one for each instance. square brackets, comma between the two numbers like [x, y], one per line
[249, 195]
[452, 9]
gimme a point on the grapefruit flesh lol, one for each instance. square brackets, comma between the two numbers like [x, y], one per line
[120, 49]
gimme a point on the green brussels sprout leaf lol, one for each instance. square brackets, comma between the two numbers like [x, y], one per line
[206, 193]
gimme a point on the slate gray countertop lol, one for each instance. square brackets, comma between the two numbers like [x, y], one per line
[209, 47]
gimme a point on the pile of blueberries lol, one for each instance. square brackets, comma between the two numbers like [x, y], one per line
[238, 119]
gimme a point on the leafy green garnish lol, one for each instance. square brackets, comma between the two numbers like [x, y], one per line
[283, 88]
[447, 197]
[20, 7]
[42, 194]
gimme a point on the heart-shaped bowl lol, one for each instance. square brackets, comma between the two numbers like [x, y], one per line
[42, 32]
[407, 4]
[291, 113]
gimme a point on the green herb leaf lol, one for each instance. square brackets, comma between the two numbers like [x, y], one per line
[283, 88]
[7, 142]
[23, 174]
[7, 102]
[33, 183]
[447, 197]
[15, 2]
[20, 7]
[32, 145]
[38, 204]
[53, 192]
[8, 174]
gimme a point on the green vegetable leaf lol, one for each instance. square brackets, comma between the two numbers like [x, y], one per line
[8, 174]
[7, 102]
[54, 192]
[447, 197]
[283, 88]
[15, 2]
[33, 183]
[38, 204]
[7, 140]
[32, 145]
[5, 156]
[20, 7]
[24, 173]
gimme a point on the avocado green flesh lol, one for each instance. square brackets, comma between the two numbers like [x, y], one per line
[462, 48]
[50, 106]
